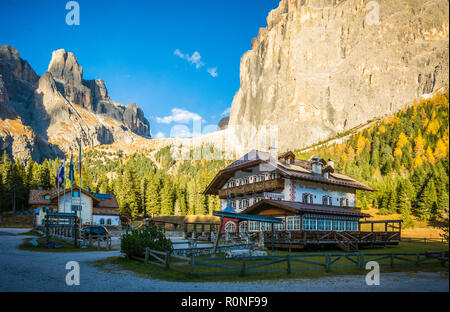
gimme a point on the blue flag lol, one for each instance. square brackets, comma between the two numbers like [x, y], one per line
[62, 174]
[57, 177]
[71, 176]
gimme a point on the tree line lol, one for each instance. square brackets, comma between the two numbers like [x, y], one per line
[404, 157]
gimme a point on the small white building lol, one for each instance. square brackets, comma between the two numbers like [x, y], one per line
[96, 208]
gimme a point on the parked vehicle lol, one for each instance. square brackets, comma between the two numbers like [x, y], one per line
[95, 231]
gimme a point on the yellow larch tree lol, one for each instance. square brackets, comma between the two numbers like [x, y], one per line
[429, 155]
[419, 145]
[441, 149]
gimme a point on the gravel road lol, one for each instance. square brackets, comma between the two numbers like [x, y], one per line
[39, 271]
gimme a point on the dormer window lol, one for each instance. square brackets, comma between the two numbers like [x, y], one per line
[326, 200]
[75, 194]
[344, 202]
[307, 198]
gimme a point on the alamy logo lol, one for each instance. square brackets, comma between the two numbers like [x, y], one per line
[373, 17]
[73, 16]
[373, 277]
[73, 276]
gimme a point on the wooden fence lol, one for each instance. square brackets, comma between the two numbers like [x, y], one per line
[98, 241]
[425, 240]
[288, 263]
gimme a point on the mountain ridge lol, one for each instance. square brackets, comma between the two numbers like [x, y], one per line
[52, 114]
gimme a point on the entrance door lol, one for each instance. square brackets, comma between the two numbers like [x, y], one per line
[230, 227]
[243, 227]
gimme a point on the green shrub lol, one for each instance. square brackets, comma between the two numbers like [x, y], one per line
[134, 243]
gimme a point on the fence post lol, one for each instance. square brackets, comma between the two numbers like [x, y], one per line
[192, 264]
[244, 267]
[327, 262]
[98, 241]
[288, 260]
[361, 261]
[146, 255]
[417, 258]
[167, 259]
[392, 259]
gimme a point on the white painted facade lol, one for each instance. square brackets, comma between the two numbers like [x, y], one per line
[107, 220]
[294, 190]
[66, 202]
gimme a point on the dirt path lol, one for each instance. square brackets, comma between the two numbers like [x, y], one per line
[39, 271]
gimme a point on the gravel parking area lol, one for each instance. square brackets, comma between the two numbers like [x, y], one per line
[40, 271]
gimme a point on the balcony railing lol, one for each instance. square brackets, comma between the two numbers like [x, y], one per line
[252, 188]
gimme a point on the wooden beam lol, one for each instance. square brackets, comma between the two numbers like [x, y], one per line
[219, 232]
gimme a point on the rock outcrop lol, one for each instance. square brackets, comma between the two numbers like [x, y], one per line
[45, 116]
[321, 67]
[223, 123]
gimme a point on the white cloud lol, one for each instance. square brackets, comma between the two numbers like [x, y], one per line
[179, 115]
[213, 72]
[179, 54]
[226, 112]
[180, 131]
[193, 59]
[160, 135]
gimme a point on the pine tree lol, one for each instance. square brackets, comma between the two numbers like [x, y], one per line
[427, 201]
[167, 198]
[153, 201]
[131, 193]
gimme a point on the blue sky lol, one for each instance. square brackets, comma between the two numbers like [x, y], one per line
[146, 50]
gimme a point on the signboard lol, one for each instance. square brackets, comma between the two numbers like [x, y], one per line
[76, 208]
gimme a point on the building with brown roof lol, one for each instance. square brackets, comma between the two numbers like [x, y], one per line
[308, 196]
[96, 208]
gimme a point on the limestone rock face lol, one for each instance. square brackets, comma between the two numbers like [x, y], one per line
[223, 123]
[321, 67]
[46, 116]
[133, 117]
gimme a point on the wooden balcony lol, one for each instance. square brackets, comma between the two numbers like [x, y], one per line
[252, 188]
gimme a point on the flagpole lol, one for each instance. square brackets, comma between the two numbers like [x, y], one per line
[57, 181]
[65, 184]
[79, 169]
[71, 182]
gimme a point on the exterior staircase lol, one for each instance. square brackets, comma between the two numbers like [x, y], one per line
[345, 243]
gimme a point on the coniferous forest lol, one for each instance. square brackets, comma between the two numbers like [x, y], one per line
[403, 156]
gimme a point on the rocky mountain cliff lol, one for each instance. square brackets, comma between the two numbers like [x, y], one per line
[45, 116]
[321, 67]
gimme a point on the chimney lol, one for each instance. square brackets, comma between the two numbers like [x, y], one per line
[316, 165]
[331, 163]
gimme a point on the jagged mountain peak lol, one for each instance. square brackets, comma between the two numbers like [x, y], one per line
[64, 66]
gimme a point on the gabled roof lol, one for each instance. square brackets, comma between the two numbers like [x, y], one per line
[37, 197]
[300, 169]
[75, 189]
[305, 208]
